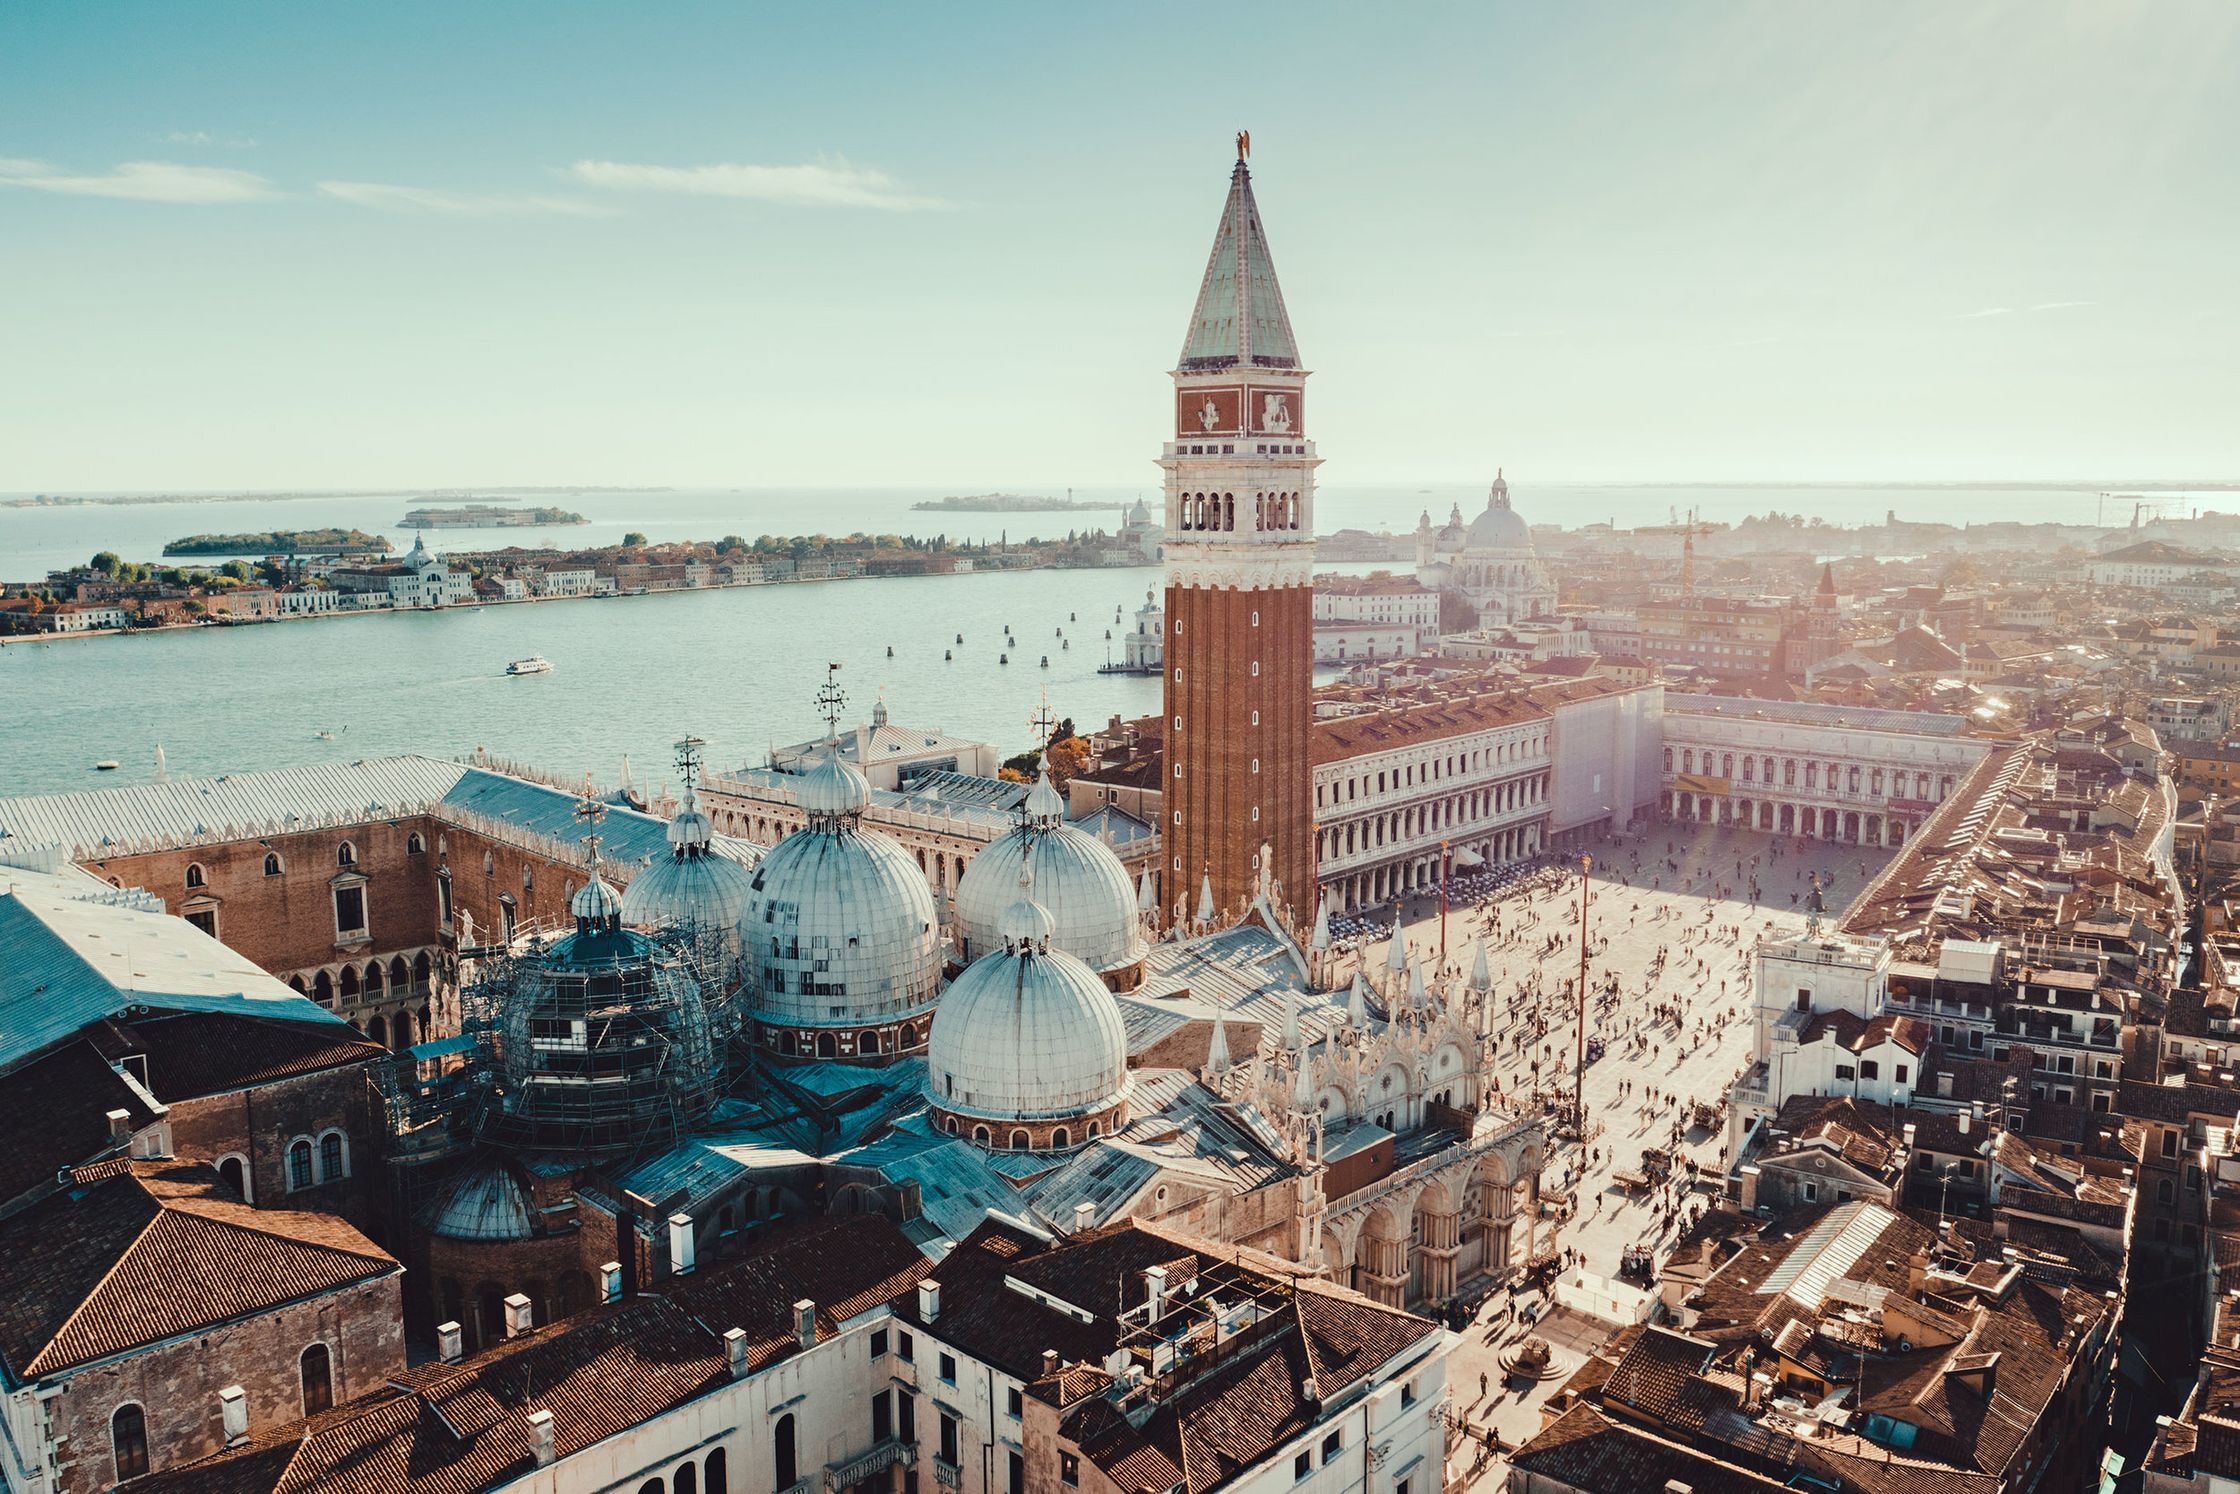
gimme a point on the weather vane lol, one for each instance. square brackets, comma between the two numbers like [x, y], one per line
[830, 699]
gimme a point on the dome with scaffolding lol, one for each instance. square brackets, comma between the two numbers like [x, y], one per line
[1078, 880]
[598, 1042]
[840, 939]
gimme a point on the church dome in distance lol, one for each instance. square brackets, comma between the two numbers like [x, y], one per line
[1078, 881]
[1028, 1051]
[1500, 527]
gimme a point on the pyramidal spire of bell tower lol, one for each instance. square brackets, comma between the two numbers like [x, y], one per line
[1240, 320]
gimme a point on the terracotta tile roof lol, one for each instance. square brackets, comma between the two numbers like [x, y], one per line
[1583, 1449]
[453, 1429]
[54, 1112]
[194, 1054]
[1652, 1375]
[846, 1266]
[139, 1252]
[2175, 1104]
[1340, 737]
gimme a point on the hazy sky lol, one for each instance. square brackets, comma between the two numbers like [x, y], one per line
[408, 244]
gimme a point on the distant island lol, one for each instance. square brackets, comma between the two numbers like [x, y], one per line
[1008, 503]
[281, 542]
[487, 516]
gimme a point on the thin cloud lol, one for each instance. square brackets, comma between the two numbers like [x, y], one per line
[812, 184]
[204, 137]
[1974, 316]
[144, 181]
[389, 197]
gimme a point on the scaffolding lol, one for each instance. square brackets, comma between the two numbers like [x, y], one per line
[599, 1044]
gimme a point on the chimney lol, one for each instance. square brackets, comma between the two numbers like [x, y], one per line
[929, 1301]
[680, 1244]
[120, 1124]
[1310, 1392]
[1049, 1363]
[541, 1443]
[518, 1315]
[1155, 1290]
[1963, 1119]
[610, 1281]
[1677, 1486]
[1083, 1213]
[233, 1409]
[735, 1351]
[805, 1323]
[451, 1343]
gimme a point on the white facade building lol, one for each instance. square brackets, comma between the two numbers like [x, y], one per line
[1388, 814]
[1865, 776]
[571, 583]
[426, 581]
[1356, 642]
[306, 601]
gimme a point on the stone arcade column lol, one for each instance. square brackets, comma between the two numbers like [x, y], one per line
[1442, 1240]
[1384, 1270]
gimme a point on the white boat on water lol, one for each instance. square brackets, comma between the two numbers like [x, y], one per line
[106, 765]
[532, 665]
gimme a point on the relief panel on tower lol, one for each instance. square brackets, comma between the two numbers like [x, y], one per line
[1208, 412]
[1274, 412]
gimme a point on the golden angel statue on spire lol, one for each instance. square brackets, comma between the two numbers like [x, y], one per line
[1244, 144]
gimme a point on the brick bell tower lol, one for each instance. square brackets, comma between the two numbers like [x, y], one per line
[1240, 585]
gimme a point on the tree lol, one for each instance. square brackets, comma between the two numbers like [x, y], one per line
[634, 539]
[1068, 758]
[106, 562]
[729, 543]
[237, 569]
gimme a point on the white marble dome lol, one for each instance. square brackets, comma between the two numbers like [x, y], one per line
[1500, 527]
[694, 884]
[1077, 879]
[1027, 1034]
[840, 929]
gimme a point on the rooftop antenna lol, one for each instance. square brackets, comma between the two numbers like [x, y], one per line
[830, 700]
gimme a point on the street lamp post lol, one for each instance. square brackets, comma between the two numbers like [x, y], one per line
[1444, 865]
[1579, 1081]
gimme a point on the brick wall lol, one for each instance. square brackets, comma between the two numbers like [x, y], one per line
[259, 1124]
[176, 1384]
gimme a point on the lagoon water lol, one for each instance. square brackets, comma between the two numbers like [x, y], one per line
[633, 674]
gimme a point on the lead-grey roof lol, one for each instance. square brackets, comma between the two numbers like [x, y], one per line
[1240, 320]
[96, 823]
[1816, 713]
[67, 962]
